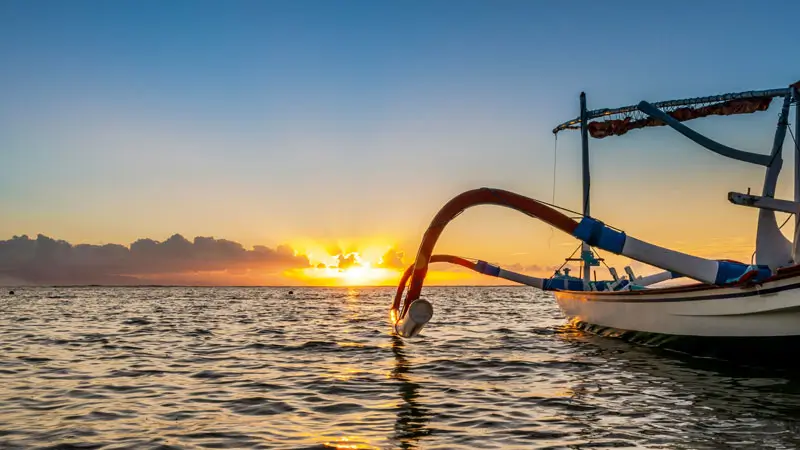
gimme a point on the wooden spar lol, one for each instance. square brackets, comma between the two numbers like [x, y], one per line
[710, 144]
[796, 95]
[572, 124]
[772, 247]
[776, 161]
[585, 249]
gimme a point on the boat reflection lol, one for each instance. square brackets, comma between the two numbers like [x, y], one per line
[412, 417]
[699, 401]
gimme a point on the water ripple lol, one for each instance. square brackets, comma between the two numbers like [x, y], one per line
[177, 368]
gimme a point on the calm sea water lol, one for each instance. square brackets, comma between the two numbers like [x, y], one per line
[169, 368]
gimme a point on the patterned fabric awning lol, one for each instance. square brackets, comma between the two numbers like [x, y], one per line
[619, 127]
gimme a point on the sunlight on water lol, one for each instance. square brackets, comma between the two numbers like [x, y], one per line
[176, 368]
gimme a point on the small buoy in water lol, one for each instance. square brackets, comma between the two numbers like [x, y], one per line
[291, 292]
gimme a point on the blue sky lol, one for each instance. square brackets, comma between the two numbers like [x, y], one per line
[267, 122]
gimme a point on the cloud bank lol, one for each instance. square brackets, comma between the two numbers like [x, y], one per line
[201, 261]
[392, 259]
[47, 261]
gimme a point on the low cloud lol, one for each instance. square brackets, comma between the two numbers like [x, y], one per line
[56, 262]
[334, 249]
[392, 259]
[346, 262]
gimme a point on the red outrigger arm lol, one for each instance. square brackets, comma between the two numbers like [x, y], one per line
[482, 196]
[457, 260]
[588, 230]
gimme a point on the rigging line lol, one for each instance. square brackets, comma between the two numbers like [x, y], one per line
[789, 126]
[570, 256]
[555, 161]
[577, 214]
[785, 221]
[752, 257]
[602, 260]
[561, 208]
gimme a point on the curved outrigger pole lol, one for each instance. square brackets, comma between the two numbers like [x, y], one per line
[773, 250]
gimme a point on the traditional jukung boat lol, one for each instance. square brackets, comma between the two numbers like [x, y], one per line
[728, 300]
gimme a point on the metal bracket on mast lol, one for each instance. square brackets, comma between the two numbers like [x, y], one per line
[757, 201]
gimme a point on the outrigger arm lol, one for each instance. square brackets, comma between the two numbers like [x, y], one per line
[772, 247]
[714, 146]
[589, 230]
[773, 250]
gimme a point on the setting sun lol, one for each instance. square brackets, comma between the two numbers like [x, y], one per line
[382, 267]
[352, 276]
[349, 269]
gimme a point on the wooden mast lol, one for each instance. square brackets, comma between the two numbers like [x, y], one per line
[586, 251]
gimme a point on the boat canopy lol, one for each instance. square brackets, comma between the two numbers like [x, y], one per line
[618, 121]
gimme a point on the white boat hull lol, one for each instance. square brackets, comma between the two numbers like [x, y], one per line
[771, 309]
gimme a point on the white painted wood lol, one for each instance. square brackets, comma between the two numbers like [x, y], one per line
[693, 267]
[654, 278]
[522, 279]
[764, 314]
[757, 201]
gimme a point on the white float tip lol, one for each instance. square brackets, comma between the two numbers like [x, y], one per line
[419, 313]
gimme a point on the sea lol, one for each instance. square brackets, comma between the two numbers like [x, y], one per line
[318, 368]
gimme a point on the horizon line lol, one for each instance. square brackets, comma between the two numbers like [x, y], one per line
[239, 286]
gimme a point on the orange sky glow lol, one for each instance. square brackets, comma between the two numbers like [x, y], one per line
[370, 265]
[526, 246]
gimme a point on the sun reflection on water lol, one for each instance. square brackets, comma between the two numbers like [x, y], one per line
[349, 442]
[412, 417]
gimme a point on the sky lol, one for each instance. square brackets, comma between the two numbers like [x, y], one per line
[310, 132]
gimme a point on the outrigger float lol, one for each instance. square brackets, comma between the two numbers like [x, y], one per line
[730, 299]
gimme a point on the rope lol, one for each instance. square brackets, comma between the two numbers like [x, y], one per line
[602, 260]
[570, 256]
[576, 213]
[785, 221]
[789, 127]
[555, 161]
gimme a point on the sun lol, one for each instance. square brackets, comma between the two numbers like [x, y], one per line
[360, 275]
[368, 265]
[347, 269]
[365, 275]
